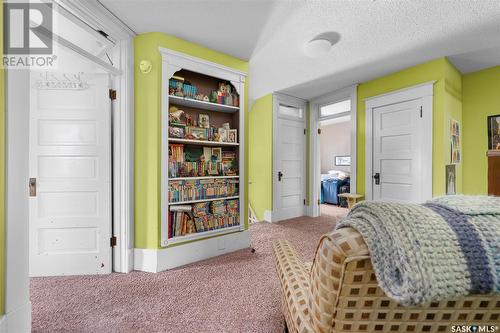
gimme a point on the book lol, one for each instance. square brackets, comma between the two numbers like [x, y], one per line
[186, 190]
[181, 208]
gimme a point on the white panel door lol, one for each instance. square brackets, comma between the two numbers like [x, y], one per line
[70, 158]
[397, 150]
[290, 169]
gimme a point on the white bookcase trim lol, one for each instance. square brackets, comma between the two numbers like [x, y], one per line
[173, 61]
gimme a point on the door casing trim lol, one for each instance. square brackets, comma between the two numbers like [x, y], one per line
[315, 165]
[423, 91]
[292, 101]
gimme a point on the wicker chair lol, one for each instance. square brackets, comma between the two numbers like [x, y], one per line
[339, 293]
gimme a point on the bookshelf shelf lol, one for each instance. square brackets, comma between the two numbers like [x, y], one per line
[201, 235]
[187, 163]
[202, 104]
[202, 200]
[204, 177]
[202, 142]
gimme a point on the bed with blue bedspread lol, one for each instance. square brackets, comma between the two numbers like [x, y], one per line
[330, 188]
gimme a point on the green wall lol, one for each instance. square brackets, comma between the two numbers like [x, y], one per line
[481, 98]
[148, 129]
[452, 110]
[261, 155]
[2, 173]
[260, 146]
[444, 106]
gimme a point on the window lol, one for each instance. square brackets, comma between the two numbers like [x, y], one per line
[335, 108]
[290, 111]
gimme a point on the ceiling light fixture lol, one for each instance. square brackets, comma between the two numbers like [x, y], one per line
[321, 45]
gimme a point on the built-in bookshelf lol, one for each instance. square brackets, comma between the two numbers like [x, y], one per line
[202, 150]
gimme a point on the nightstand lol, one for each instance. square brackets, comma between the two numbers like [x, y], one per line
[352, 198]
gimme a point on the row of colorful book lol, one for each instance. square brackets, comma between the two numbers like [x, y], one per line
[185, 190]
[176, 152]
[217, 207]
[193, 169]
[200, 217]
[182, 223]
[202, 169]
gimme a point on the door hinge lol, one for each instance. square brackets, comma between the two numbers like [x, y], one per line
[420, 111]
[319, 202]
[32, 187]
[304, 202]
[319, 130]
[112, 241]
[305, 131]
[112, 94]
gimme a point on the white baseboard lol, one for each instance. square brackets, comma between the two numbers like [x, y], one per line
[130, 261]
[157, 260]
[268, 216]
[18, 321]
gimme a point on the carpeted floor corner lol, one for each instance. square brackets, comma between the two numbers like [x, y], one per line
[237, 292]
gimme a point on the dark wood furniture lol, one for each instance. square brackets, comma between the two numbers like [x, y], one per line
[493, 172]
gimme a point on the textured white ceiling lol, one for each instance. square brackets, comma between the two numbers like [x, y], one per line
[476, 60]
[378, 36]
[229, 26]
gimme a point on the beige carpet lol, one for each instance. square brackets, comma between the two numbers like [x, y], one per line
[237, 292]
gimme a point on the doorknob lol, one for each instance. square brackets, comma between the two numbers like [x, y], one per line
[280, 175]
[377, 178]
[32, 186]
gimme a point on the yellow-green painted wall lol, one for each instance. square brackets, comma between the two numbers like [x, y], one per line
[260, 147]
[481, 98]
[452, 111]
[2, 173]
[148, 129]
[444, 106]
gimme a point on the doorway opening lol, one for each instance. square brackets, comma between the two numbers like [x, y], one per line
[75, 36]
[335, 159]
[70, 203]
[333, 152]
[71, 153]
[398, 149]
[289, 157]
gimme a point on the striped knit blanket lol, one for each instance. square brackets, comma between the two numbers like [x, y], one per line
[445, 248]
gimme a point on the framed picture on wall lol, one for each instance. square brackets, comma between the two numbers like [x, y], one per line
[342, 160]
[494, 132]
[455, 142]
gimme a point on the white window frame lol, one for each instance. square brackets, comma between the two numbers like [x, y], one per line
[424, 92]
[315, 119]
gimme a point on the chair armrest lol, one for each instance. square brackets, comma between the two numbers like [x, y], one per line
[294, 281]
[334, 251]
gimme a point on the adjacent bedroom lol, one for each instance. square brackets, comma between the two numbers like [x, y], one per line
[335, 156]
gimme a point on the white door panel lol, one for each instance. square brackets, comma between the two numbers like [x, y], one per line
[290, 161]
[396, 152]
[70, 156]
[67, 100]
